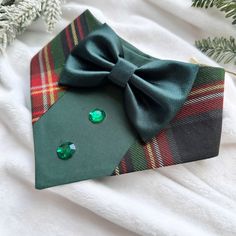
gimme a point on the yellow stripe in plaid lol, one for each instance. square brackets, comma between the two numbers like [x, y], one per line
[75, 38]
[203, 90]
[35, 119]
[50, 89]
[117, 171]
[150, 154]
[49, 75]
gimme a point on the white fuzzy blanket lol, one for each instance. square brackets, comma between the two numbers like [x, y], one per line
[191, 199]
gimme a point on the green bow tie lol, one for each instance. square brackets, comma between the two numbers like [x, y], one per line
[154, 90]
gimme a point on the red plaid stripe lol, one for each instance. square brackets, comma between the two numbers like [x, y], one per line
[202, 100]
[44, 79]
[44, 83]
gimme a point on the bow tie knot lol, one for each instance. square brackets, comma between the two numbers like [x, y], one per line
[121, 72]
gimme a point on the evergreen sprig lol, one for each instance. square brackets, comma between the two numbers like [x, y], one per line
[203, 3]
[226, 6]
[6, 2]
[17, 15]
[220, 49]
[14, 20]
[51, 12]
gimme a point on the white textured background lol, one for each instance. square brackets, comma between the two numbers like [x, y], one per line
[191, 199]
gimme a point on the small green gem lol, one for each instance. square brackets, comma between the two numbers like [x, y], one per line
[66, 150]
[97, 116]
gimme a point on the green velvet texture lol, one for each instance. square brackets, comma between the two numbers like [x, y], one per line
[154, 90]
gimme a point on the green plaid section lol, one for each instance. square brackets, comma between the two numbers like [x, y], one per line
[46, 65]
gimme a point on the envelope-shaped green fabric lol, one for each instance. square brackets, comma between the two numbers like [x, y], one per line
[112, 147]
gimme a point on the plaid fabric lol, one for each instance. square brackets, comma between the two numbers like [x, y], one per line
[194, 134]
[46, 65]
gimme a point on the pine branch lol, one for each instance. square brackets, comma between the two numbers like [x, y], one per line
[15, 18]
[6, 2]
[203, 3]
[17, 15]
[220, 49]
[226, 6]
[51, 12]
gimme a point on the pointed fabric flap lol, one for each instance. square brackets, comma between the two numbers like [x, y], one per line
[61, 115]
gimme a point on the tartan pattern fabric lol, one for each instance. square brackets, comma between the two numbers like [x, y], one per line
[202, 108]
[46, 65]
[175, 144]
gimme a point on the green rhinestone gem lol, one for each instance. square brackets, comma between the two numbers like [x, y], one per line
[66, 150]
[97, 116]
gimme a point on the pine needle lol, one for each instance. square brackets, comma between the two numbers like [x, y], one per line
[226, 6]
[16, 16]
[203, 3]
[7, 2]
[51, 12]
[220, 49]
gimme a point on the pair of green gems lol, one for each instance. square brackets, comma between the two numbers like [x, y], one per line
[66, 150]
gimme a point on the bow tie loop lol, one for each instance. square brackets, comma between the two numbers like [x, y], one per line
[121, 72]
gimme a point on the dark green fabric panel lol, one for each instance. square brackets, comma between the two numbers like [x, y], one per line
[99, 146]
[136, 151]
[92, 22]
[57, 52]
[209, 74]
